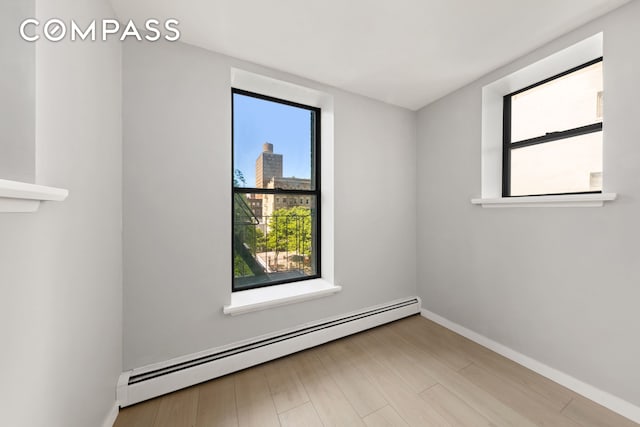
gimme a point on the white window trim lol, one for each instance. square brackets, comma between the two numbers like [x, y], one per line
[22, 197]
[271, 296]
[559, 201]
[492, 117]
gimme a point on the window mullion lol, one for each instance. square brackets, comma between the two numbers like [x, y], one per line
[242, 190]
[556, 136]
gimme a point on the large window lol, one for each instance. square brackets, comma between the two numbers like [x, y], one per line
[276, 191]
[552, 136]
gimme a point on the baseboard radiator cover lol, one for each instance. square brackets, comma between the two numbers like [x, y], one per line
[155, 380]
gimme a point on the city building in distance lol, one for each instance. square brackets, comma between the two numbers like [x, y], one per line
[269, 175]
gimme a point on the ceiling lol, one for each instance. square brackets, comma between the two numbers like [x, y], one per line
[404, 52]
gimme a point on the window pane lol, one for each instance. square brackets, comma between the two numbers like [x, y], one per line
[273, 144]
[568, 102]
[570, 165]
[274, 238]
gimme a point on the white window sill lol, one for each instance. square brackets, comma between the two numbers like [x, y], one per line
[273, 296]
[24, 197]
[560, 201]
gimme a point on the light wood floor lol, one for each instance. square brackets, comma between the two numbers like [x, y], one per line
[408, 373]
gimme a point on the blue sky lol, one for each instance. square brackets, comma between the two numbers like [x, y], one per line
[288, 128]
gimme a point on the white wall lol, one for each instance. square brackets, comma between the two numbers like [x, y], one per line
[177, 212]
[61, 268]
[17, 94]
[559, 285]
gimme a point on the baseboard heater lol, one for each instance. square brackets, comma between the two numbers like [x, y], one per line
[155, 380]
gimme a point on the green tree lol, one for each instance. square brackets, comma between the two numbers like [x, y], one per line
[290, 230]
[238, 178]
[240, 268]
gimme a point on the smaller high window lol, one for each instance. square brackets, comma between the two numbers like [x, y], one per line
[552, 135]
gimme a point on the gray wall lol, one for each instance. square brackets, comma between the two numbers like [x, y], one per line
[177, 178]
[559, 285]
[17, 93]
[61, 268]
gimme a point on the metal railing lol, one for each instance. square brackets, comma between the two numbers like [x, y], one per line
[280, 243]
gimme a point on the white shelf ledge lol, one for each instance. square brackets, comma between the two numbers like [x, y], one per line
[560, 201]
[18, 196]
[273, 296]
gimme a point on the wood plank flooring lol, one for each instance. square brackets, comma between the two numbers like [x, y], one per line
[412, 372]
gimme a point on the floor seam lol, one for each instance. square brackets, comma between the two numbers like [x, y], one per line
[565, 406]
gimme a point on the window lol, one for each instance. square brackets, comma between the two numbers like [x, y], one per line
[552, 135]
[276, 162]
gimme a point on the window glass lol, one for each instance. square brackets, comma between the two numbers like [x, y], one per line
[271, 139]
[276, 212]
[567, 102]
[566, 166]
[277, 247]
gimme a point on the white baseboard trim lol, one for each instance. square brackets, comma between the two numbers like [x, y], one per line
[155, 380]
[614, 403]
[111, 417]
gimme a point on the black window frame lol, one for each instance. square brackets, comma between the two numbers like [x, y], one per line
[316, 179]
[508, 145]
